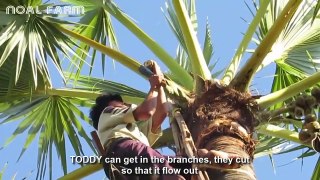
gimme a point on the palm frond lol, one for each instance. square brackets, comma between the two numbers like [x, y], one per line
[36, 40]
[12, 89]
[40, 115]
[104, 86]
[172, 20]
[55, 120]
[235, 62]
[280, 132]
[185, 79]
[269, 145]
[208, 45]
[198, 63]
[316, 171]
[288, 92]
[305, 154]
[284, 77]
[244, 77]
[82, 172]
[3, 170]
[296, 148]
[296, 52]
[316, 11]
[182, 56]
[95, 24]
[174, 91]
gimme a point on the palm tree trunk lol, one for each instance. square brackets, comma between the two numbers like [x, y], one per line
[235, 146]
[222, 119]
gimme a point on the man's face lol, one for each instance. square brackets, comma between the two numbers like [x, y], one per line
[116, 103]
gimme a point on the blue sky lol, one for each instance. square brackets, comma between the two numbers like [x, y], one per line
[227, 28]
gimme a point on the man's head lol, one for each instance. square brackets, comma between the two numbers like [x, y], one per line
[101, 103]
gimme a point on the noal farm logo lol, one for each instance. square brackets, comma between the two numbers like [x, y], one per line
[66, 10]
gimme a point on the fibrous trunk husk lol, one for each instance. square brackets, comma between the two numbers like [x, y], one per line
[222, 119]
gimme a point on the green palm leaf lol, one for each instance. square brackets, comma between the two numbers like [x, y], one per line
[316, 172]
[316, 11]
[36, 39]
[56, 120]
[298, 44]
[244, 77]
[235, 62]
[103, 86]
[184, 78]
[208, 46]
[2, 172]
[52, 116]
[3, 169]
[173, 21]
[284, 77]
[15, 93]
[296, 52]
[183, 21]
[269, 145]
[182, 51]
[198, 62]
[94, 24]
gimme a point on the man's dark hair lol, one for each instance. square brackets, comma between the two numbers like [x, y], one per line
[101, 103]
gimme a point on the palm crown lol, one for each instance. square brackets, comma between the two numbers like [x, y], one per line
[286, 33]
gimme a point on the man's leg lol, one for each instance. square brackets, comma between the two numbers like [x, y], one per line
[132, 148]
[113, 171]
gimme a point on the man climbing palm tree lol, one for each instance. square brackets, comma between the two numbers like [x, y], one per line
[128, 131]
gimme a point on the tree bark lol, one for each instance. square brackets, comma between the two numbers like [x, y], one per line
[222, 119]
[235, 146]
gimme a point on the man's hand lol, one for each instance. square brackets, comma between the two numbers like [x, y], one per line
[153, 66]
[155, 81]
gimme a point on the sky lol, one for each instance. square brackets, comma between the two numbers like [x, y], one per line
[227, 25]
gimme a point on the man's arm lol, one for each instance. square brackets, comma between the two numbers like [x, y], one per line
[148, 107]
[155, 104]
[161, 111]
[162, 107]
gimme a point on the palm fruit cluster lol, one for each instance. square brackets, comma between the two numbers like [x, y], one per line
[303, 108]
